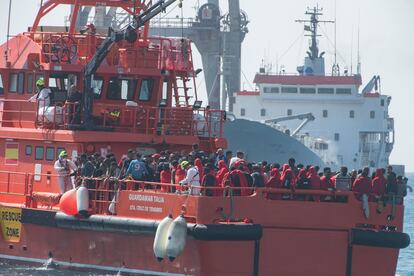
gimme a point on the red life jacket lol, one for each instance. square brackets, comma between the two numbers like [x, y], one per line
[165, 177]
[223, 170]
[315, 181]
[274, 180]
[379, 183]
[362, 185]
[199, 164]
[326, 183]
[243, 182]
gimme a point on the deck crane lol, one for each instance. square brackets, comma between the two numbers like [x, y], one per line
[129, 33]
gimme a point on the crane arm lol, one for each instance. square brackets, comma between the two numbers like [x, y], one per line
[129, 34]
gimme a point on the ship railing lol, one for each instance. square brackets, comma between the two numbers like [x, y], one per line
[104, 192]
[42, 191]
[17, 113]
[154, 52]
[148, 120]
[179, 121]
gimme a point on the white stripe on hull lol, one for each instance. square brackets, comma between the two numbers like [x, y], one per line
[90, 266]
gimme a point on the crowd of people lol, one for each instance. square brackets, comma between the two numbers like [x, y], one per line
[201, 174]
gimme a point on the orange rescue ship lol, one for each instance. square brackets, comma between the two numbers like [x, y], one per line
[135, 94]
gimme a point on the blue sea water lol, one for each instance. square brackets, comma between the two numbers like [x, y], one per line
[406, 257]
[405, 260]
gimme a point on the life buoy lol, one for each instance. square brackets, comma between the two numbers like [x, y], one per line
[160, 240]
[176, 238]
[75, 202]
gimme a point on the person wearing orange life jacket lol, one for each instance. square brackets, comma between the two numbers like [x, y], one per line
[179, 175]
[362, 184]
[288, 177]
[199, 164]
[327, 184]
[314, 182]
[379, 185]
[209, 181]
[288, 180]
[274, 182]
[66, 169]
[236, 178]
[223, 170]
[165, 177]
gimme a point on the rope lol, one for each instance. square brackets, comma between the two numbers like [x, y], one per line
[231, 215]
[291, 45]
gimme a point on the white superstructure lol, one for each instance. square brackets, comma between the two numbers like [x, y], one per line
[343, 124]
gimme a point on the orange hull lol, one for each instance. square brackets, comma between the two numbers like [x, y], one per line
[299, 238]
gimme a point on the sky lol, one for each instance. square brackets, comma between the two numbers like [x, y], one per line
[386, 45]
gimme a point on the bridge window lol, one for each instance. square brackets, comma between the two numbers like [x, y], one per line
[145, 90]
[39, 153]
[121, 89]
[289, 112]
[336, 137]
[29, 83]
[307, 90]
[1, 86]
[28, 150]
[262, 112]
[325, 113]
[16, 83]
[325, 90]
[242, 112]
[343, 91]
[372, 114]
[351, 114]
[58, 82]
[382, 102]
[291, 90]
[271, 90]
[97, 85]
[50, 153]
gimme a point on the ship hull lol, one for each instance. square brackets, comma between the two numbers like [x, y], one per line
[282, 250]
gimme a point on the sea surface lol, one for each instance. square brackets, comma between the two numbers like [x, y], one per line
[405, 260]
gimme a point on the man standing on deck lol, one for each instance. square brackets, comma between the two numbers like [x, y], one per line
[66, 169]
[42, 95]
[192, 178]
[137, 169]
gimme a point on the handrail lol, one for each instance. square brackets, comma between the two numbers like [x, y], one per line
[180, 121]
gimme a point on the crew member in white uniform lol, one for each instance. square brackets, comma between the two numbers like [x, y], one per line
[42, 96]
[192, 178]
[65, 169]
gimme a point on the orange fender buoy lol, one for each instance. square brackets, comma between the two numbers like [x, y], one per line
[68, 203]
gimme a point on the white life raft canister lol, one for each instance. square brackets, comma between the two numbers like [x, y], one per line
[160, 240]
[176, 238]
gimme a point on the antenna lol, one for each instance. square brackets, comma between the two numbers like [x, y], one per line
[335, 65]
[358, 55]
[6, 54]
[313, 29]
[352, 46]
[335, 36]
